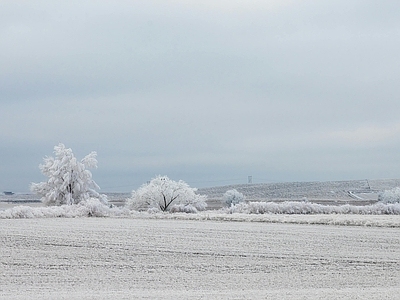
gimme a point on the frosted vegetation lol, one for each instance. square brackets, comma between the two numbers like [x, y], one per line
[164, 194]
[69, 181]
[377, 215]
[294, 207]
[233, 197]
[390, 196]
[91, 207]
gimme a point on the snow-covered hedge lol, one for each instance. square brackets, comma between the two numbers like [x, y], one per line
[87, 208]
[94, 208]
[292, 207]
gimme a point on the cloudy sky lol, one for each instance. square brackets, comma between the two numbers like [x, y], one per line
[208, 91]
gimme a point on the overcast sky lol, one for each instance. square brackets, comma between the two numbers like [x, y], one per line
[208, 91]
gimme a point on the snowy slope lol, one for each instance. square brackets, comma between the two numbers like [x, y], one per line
[314, 191]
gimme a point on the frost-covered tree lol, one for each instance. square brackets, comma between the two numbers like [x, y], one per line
[233, 197]
[164, 194]
[390, 196]
[69, 180]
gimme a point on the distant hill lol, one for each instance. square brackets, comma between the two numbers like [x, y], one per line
[362, 191]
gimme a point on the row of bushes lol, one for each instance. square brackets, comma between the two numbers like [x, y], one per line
[94, 208]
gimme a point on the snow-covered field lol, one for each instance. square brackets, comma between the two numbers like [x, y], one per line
[281, 250]
[103, 258]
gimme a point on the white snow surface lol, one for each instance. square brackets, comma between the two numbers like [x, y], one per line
[143, 258]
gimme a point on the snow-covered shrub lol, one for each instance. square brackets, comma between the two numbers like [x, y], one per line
[95, 208]
[164, 194]
[69, 180]
[390, 196]
[233, 197]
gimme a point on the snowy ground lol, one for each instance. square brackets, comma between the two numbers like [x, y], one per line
[102, 258]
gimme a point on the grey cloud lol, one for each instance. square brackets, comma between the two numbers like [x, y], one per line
[205, 91]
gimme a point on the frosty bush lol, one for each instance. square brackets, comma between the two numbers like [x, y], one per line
[166, 195]
[233, 197]
[390, 196]
[186, 208]
[69, 180]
